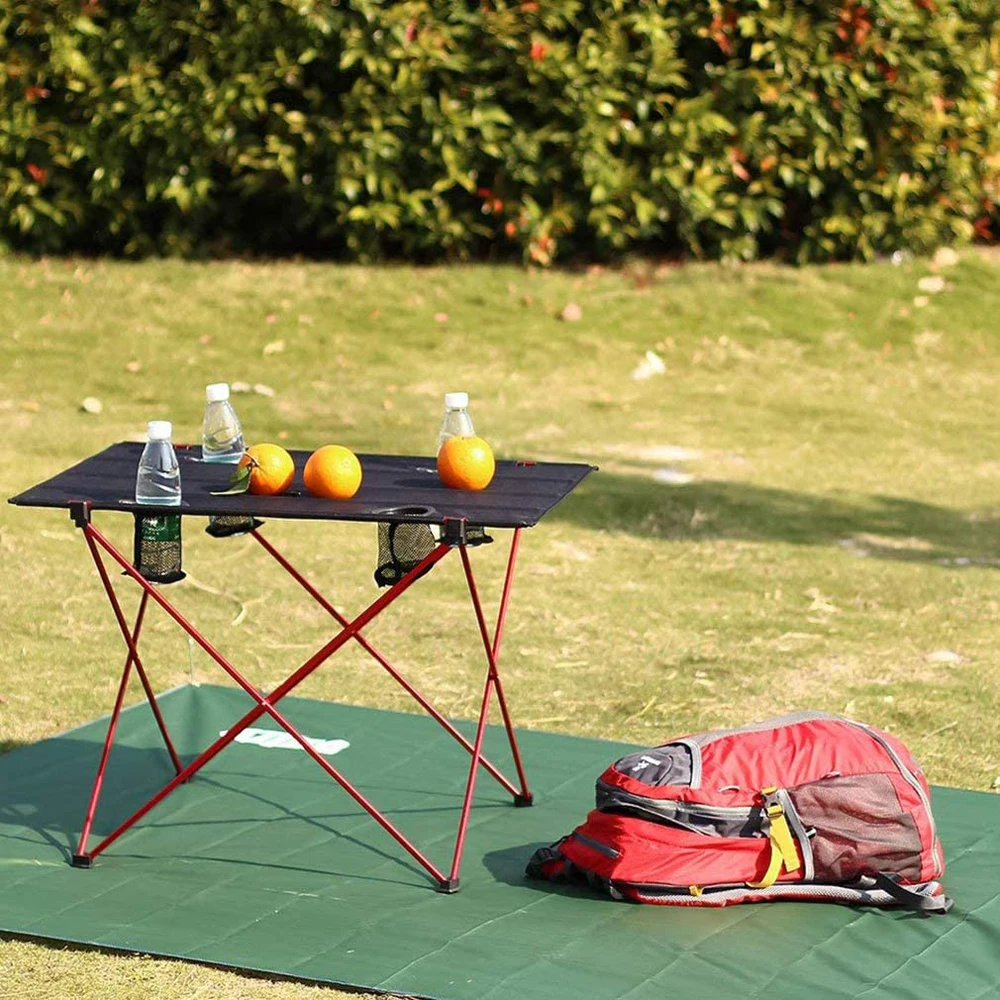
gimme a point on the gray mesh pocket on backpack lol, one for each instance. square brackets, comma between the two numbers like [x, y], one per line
[860, 827]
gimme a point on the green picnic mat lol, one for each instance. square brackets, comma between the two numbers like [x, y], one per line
[263, 863]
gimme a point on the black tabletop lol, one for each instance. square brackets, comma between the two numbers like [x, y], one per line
[395, 488]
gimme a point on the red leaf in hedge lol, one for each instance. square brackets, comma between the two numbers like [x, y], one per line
[484, 193]
[411, 31]
[38, 174]
[529, 7]
[34, 94]
[982, 229]
[854, 23]
[510, 230]
[539, 50]
[722, 25]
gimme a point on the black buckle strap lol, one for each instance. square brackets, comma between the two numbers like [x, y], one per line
[912, 899]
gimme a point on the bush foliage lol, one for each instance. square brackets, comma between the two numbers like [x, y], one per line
[547, 128]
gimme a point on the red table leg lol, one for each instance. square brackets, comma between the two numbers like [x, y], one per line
[492, 649]
[395, 674]
[266, 704]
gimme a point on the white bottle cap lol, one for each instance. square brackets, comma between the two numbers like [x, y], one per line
[159, 430]
[456, 400]
[217, 392]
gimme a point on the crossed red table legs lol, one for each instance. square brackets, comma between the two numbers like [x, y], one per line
[266, 704]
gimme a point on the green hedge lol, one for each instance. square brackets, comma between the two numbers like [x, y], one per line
[546, 129]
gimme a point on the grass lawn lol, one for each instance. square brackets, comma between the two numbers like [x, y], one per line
[800, 511]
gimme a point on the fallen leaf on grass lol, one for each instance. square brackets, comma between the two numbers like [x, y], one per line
[943, 656]
[270, 318]
[932, 283]
[92, 405]
[275, 347]
[672, 477]
[440, 317]
[263, 390]
[571, 312]
[30, 405]
[921, 301]
[133, 367]
[821, 603]
[651, 364]
[945, 257]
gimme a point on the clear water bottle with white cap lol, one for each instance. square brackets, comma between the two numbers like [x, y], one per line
[456, 422]
[158, 480]
[221, 433]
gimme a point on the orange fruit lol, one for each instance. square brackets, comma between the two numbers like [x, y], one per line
[333, 472]
[466, 463]
[271, 469]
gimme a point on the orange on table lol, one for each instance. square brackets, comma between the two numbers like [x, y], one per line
[466, 463]
[271, 469]
[333, 472]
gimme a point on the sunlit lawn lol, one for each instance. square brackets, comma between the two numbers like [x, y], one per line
[801, 510]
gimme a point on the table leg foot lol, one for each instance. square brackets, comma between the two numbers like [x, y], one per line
[447, 885]
[82, 861]
[522, 801]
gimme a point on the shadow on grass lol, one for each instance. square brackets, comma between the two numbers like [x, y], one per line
[881, 526]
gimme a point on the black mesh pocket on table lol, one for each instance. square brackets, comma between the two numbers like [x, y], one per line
[401, 547]
[228, 525]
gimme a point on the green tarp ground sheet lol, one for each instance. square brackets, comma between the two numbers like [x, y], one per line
[263, 863]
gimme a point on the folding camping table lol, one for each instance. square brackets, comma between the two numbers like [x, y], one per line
[395, 490]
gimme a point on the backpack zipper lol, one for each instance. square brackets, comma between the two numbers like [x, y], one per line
[668, 809]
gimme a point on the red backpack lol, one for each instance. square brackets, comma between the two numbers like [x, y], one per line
[807, 806]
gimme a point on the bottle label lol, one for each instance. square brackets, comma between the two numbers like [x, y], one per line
[161, 529]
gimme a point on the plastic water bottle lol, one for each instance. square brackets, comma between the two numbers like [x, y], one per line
[221, 433]
[159, 477]
[456, 422]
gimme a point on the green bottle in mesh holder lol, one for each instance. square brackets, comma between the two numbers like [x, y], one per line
[157, 547]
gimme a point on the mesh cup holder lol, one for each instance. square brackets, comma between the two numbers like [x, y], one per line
[228, 525]
[156, 550]
[402, 546]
